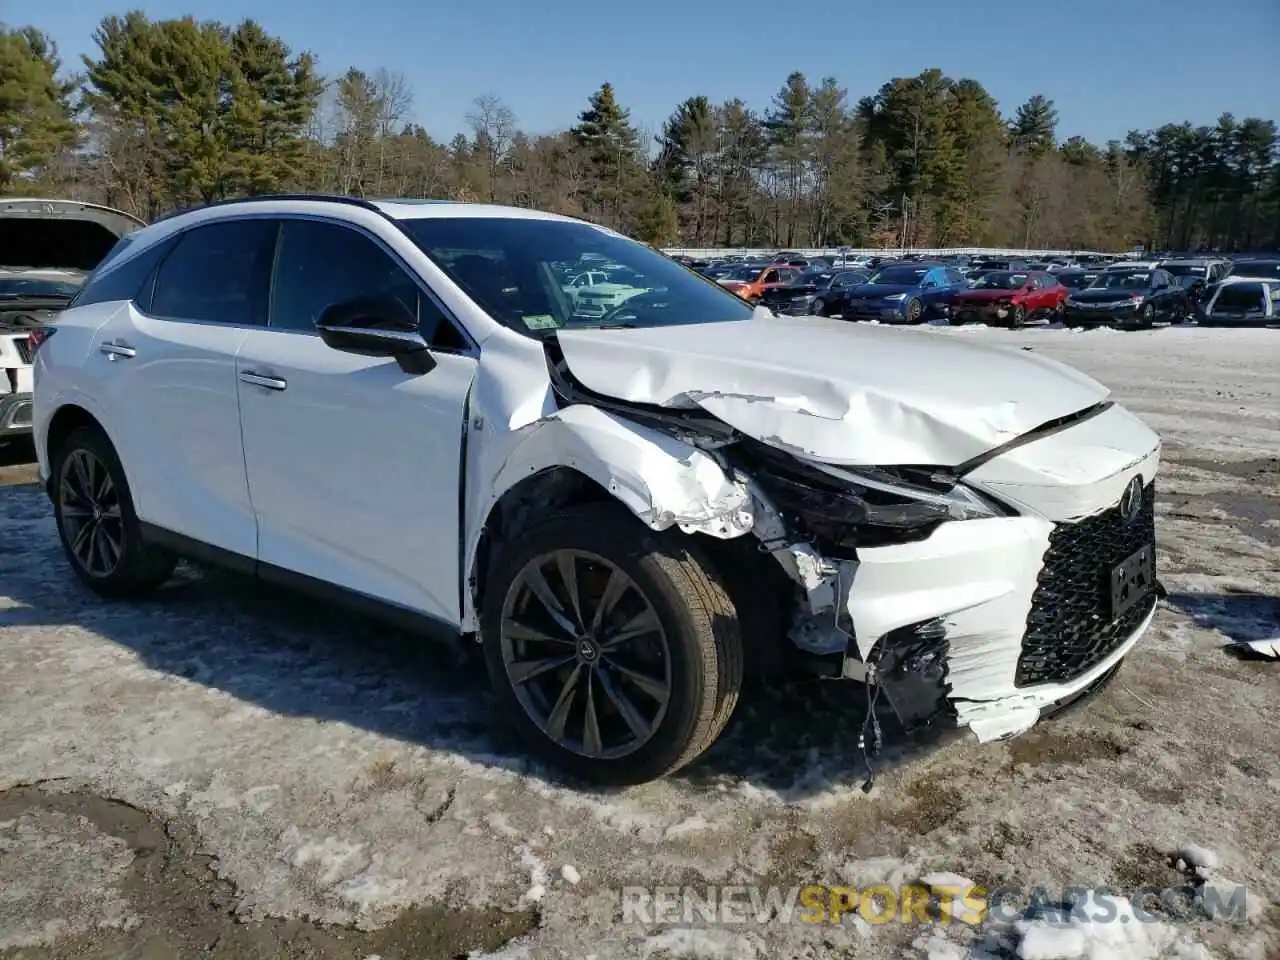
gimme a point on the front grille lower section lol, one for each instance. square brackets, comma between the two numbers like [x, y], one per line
[1070, 628]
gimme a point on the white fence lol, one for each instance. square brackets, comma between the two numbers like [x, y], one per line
[709, 253]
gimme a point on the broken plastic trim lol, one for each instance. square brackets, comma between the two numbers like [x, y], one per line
[842, 509]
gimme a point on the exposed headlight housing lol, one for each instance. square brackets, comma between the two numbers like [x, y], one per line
[843, 508]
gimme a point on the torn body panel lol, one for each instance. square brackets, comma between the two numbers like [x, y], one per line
[519, 430]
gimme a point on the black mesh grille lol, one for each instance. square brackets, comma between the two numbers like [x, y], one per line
[24, 348]
[1070, 628]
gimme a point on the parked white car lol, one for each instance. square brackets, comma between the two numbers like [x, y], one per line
[47, 248]
[594, 294]
[1242, 301]
[392, 403]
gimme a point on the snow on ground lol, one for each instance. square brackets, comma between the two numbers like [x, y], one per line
[334, 771]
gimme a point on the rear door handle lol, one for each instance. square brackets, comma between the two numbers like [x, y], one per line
[258, 380]
[118, 350]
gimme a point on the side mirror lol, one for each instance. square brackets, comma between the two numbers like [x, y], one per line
[377, 326]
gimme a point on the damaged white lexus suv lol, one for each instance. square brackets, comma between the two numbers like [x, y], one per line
[397, 404]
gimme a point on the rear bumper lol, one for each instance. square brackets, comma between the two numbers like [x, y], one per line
[15, 414]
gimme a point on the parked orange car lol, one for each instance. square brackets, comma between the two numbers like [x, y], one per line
[750, 282]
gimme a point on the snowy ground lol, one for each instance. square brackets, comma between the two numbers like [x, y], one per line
[231, 773]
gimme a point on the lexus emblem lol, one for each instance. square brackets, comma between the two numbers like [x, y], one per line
[1131, 501]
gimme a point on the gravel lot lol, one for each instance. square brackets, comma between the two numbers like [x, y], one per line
[227, 772]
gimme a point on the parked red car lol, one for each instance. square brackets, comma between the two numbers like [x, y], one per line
[1010, 298]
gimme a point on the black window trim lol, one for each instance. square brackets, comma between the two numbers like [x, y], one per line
[174, 241]
[472, 348]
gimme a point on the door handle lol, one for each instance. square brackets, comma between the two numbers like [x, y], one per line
[118, 350]
[258, 380]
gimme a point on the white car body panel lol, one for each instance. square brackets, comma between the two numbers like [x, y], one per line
[173, 416]
[353, 472]
[354, 468]
[833, 391]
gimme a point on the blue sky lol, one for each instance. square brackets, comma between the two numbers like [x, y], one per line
[1110, 65]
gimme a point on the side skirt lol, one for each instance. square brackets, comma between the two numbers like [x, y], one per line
[413, 621]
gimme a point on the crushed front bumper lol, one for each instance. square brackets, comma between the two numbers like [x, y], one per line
[988, 623]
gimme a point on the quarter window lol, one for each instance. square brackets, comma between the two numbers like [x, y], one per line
[218, 273]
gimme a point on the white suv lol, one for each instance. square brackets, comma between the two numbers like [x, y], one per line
[393, 403]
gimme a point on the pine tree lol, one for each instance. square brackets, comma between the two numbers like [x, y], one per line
[1034, 126]
[35, 105]
[611, 146]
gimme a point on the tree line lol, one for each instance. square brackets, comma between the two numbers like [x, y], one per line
[170, 113]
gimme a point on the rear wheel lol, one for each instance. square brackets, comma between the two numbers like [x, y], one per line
[613, 651]
[96, 521]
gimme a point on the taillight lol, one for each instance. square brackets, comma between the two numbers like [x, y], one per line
[38, 336]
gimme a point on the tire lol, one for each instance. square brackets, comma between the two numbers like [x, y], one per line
[138, 567]
[1059, 312]
[915, 311]
[1017, 318]
[818, 308]
[1148, 319]
[697, 636]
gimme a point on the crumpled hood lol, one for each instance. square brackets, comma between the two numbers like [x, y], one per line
[833, 391]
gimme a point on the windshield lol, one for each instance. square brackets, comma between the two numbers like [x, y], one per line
[1001, 280]
[1189, 270]
[900, 276]
[745, 274]
[12, 288]
[1118, 280]
[1256, 268]
[509, 267]
[1075, 279]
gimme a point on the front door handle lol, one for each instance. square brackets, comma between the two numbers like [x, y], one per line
[258, 380]
[118, 350]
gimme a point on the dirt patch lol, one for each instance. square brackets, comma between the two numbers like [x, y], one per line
[1256, 468]
[934, 803]
[1142, 865]
[184, 909]
[1049, 747]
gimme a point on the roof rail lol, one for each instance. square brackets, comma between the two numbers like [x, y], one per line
[319, 197]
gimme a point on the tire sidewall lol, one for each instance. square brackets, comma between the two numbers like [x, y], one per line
[915, 311]
[643, 559]
[124, 578]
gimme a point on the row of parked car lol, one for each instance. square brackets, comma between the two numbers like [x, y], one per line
[1078, 292]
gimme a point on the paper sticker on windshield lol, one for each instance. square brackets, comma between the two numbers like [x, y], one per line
[541, 321]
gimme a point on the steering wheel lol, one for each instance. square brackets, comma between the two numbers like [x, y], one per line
[634, 307]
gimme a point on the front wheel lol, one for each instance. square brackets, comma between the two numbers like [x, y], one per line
[96, 521]
[915, 312]
[818, 308]
[1017, 317]
[1148, 317]
[613, 651]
